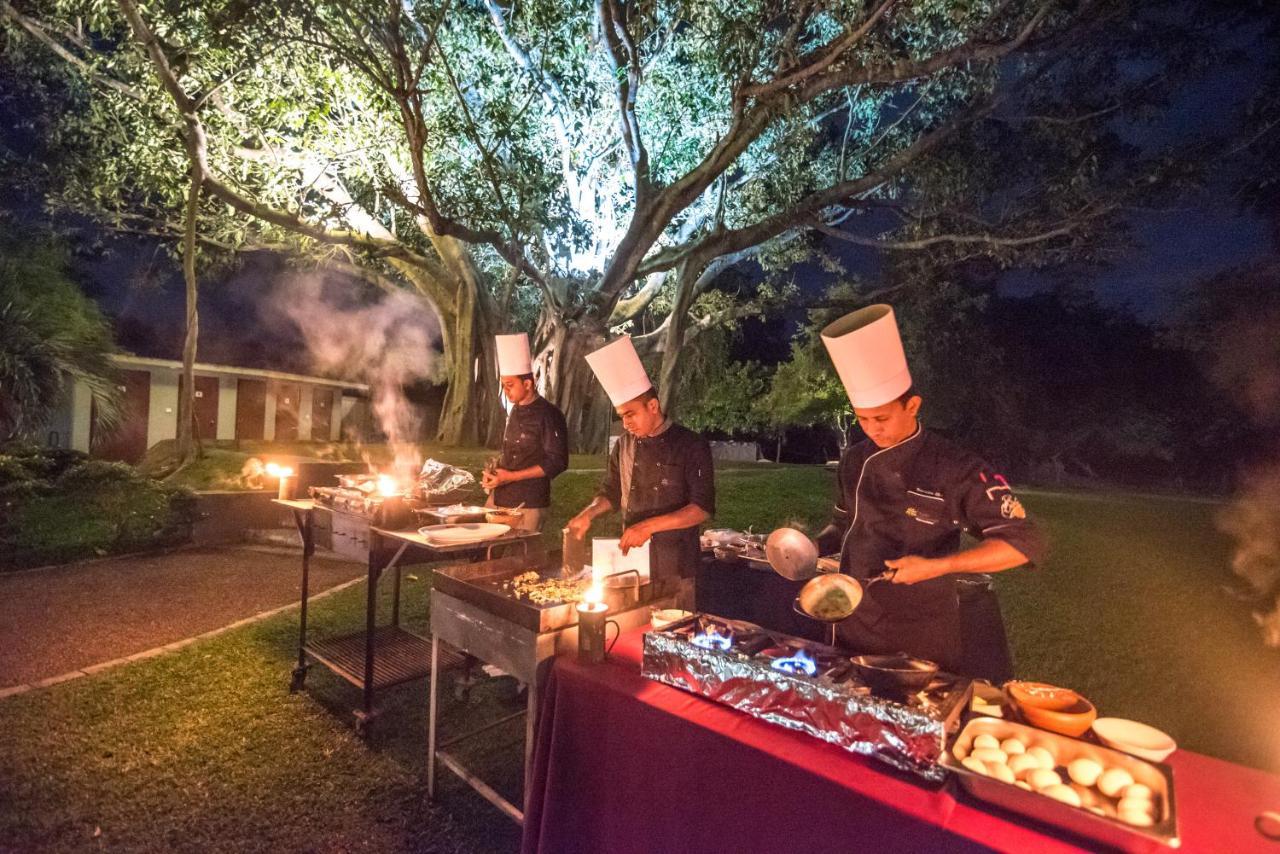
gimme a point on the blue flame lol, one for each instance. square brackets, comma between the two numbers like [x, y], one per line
[711, 639]
[800, 663]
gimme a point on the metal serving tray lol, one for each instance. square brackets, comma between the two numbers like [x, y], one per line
[1106, 829]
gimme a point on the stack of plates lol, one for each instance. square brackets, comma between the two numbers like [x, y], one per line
[462, 533]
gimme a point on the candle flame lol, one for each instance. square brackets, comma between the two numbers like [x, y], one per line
[594, 594]
[277, 470]
[387, 486]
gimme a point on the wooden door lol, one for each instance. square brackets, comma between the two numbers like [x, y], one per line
[321, 412]
[251, 408]
[206, 407]
[288, 401]
[128, 442]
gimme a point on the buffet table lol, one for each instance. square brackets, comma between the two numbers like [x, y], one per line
[624, 764]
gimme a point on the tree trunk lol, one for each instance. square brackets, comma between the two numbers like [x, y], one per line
[782, 438]
[189, 446]
[568, 382]
[471, 413]
[673, 344]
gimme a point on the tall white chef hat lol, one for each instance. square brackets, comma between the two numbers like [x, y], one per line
[867, 352]
[513, 355]
[617, 367]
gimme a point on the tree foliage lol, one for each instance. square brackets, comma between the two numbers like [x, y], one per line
[584, 159]
[51, 336]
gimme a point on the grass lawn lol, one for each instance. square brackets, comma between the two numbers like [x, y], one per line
[206, 749]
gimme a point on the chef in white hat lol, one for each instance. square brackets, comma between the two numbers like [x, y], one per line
[905, 497]
[660, 475]
[535, 443]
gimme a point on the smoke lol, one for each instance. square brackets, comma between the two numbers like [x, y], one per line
[1247, 364]
[388, 344]
[1253, 520]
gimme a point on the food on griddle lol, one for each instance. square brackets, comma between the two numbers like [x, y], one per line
[546, 591]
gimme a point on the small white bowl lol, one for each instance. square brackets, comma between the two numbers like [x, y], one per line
[1141, 740]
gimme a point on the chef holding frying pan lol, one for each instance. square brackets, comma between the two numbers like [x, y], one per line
[905, 497]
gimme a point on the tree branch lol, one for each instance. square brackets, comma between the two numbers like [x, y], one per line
[625, 65]
[40, 32]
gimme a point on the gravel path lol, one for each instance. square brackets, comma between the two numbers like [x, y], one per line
[70, 617]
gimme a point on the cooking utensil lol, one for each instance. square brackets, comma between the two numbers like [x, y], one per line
[894, 675]
[792, 554]
[818, 600]
[573, 552]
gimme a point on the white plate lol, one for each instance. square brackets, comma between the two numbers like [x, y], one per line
[1134, 737]
[462, 532]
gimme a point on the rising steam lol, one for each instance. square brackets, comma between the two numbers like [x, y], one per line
[388, 345]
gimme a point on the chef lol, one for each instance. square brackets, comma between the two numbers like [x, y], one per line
[905, 497]
[535, 444]
[660, 475]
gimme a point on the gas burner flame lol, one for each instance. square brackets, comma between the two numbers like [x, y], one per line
[800, 664]
[712, 639]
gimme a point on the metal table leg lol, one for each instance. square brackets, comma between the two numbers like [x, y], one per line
[364, 717]
[431, 717]
[303, 519]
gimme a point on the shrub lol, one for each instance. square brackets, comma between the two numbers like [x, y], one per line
[57, 506]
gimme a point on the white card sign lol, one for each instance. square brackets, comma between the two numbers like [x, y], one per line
[607, 558]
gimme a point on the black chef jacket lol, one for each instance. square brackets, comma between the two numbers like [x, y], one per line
[916, 498]
[535, 436]
[670, 470]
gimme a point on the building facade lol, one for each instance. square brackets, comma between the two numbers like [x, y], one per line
[230, 403]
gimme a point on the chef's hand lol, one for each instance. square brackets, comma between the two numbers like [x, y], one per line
[578, 526]
[634, 537]
[494, 478]
[912, 569]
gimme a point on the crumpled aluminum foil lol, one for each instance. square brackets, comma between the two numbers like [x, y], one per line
[437, 479]
[844, 713]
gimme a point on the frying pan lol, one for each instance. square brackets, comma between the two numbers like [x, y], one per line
[818, 592]
[894, 675]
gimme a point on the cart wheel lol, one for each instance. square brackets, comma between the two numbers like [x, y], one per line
[298, 680]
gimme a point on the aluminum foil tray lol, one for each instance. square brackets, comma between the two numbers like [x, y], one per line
[831, 704]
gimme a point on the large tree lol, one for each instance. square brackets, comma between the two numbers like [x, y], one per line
[599, 165]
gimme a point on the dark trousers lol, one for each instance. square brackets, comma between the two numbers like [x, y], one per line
[985, 646]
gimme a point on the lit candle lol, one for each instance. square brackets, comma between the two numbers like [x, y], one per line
[288, 484]
[592, 614]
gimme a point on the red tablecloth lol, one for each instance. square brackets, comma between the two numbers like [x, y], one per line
[625, 764]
